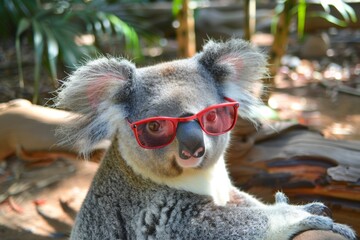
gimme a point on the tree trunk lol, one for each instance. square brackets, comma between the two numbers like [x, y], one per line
[281, 38]
[186, 31]
[250, 19]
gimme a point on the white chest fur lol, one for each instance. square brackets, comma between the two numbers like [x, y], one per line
[213, 181]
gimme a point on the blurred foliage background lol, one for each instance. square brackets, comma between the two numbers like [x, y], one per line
[53, 37]
[68, 31]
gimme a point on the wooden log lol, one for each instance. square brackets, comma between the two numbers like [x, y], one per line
[28, 131]
[293, 159]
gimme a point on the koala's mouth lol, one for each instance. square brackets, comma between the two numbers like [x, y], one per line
[191, 162]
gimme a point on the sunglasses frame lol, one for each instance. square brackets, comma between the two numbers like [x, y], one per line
[175, 121]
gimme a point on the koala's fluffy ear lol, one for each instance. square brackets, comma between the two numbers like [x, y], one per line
[95, 91]
[238, 69]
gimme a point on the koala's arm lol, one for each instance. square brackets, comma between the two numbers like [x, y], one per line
[243, 199]
[279, 221]
[290, 221]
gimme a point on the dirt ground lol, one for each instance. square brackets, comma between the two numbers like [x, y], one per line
[46, 210]
[313, 105]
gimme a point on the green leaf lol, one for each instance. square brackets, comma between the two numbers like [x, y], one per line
[70, 53]
[301, 18]
[22, 26]
[39, 49]
[339, 5]
[53, 53]
[274, 23]
[26, 7]
[346, 11]
[329, 18]
[135, 47]
[68, 49]
[351, 12]
[294, 10]
[13, 10]
[131, 37]
[176, 7]
[325, 5]
[105, 23]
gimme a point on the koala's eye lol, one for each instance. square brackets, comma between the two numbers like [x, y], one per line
[211, 116]
[153, 126]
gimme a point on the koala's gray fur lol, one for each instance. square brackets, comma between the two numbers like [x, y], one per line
[140, 193]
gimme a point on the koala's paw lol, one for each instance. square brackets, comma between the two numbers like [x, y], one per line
[281, 198]
[318, 208]
[344, 230]
[316, 222]
[288, 220]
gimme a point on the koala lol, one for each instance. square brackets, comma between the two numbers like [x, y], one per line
[164, 176]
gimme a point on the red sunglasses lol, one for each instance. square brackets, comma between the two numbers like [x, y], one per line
[157, 132]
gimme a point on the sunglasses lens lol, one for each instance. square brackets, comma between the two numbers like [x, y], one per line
[218, 120]
[156, 133]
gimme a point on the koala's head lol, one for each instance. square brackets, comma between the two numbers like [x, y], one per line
[112, 93]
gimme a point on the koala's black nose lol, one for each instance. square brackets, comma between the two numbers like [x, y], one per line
[191, 140]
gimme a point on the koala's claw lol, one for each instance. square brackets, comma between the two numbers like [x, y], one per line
[317, 222]
[312, 216]
[344, 230]
[317, 208]
[322, 220]
[281, 198]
